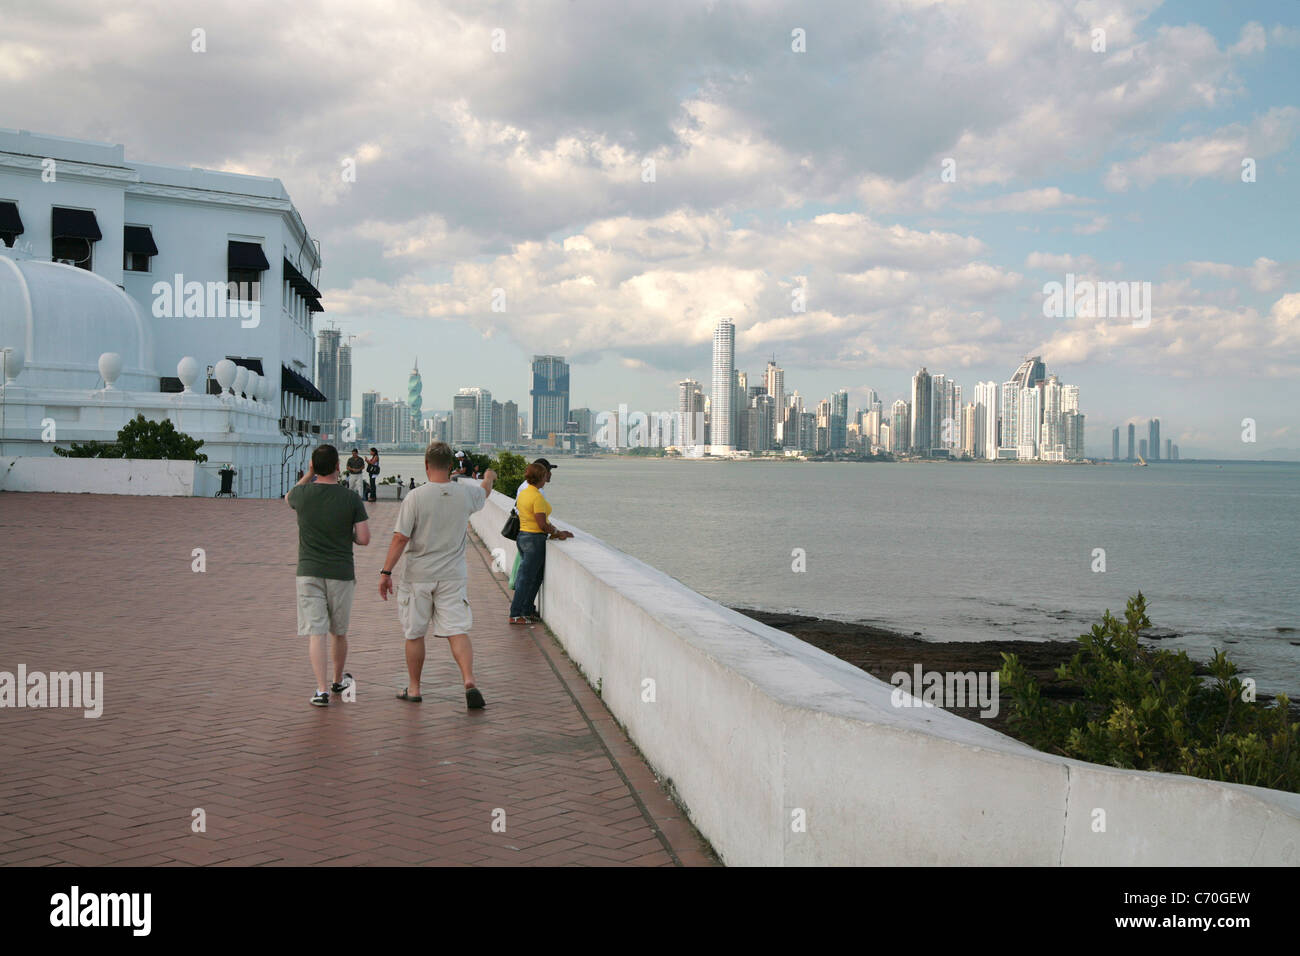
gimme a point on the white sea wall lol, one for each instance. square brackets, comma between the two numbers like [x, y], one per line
[756, 730]
[105, 476]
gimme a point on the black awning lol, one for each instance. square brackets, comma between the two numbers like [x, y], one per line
[10, 222]
[75, 224]
[291, 381]
[301, 284]
[313, 305]
[139, 239]
[246, 255]
[252, 364]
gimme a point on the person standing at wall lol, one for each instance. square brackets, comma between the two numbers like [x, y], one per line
[534, 529]
[372, 471]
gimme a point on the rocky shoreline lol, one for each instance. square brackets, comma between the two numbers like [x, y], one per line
[882, 653]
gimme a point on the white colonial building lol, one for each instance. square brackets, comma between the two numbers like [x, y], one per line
[131, 288]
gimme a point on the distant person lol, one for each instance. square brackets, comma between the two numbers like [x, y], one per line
[372, 472]
[356, 471]
[432, 529]
[462, 467]
[330, 519]
[534, 528]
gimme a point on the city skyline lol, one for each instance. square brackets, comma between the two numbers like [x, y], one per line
[618, 228]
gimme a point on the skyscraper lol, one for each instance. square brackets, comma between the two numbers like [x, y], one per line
[415, 394]
[721, 420]
[1153, 439]
[1029, 415]
[1142, 448]
[510, 424]
[922, 413]
[900, 427]
[1131, 450]
[690, 413]
[839, 434]
[471, 417]
[367, 430]
[326, 413]
[1114, 444]
[550, 394]
[986, 396]
[774, 381]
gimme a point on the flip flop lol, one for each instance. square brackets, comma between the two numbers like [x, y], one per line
[474, 699]
[405, 696]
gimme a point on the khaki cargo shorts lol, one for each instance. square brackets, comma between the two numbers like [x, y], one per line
[444, 604]
[324, 605]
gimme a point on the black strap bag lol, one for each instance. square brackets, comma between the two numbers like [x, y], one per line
[511, 529]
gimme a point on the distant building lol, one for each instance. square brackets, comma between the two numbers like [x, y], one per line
[550, 393]
[1131, 450]
[922, 413]
[690, 413]
[367, 430]
[722, 425]
[1114, 444]
[1142, 449]
[1153, 438]
[986, 397]
[900, 425]
[510, 423]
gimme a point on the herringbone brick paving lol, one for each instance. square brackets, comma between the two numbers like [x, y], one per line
[205, 706]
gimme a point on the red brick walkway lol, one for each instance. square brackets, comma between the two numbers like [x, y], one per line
[205, 706]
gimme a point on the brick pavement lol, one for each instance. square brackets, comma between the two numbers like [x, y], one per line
[205, 706]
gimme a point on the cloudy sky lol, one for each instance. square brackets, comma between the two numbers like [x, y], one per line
[628, 173]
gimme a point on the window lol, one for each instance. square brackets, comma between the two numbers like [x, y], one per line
[245, 263]
[137, 248]
[244, 284]
[73, 250]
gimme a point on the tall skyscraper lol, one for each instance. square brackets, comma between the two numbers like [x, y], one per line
[1153, 439]
[550, 394]
[1114, 444]
[326, 413]
[1131, 450]
[510, 423]
[986, 396]
[900, 427]
[367, 430]
[1029, 415]
[415, 394]
[839, 435]
[471, 411]
[972, 430]
[690, 413]
[774, 382]
[1169, 449]
[343, 389]
[1142, 448]
[922, 413]
[945, 417]
[721, 419]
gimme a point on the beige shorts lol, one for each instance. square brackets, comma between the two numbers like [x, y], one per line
[444, 604]
[324, 605]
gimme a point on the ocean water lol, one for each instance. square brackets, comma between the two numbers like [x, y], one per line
[970, 551]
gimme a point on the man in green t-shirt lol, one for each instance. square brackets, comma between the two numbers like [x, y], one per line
[330, 518]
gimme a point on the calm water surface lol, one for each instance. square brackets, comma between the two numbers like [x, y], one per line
[969, 551]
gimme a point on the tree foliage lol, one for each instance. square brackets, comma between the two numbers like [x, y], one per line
[141, 438]
[1143, 708]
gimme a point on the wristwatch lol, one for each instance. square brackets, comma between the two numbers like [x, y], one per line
[389, 573]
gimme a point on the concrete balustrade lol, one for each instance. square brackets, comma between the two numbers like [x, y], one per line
[757, 730]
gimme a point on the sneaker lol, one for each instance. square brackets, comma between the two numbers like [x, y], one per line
[340, 686]
[320, 699]
[474, 699]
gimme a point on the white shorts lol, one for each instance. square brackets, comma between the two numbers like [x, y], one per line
[445, 604]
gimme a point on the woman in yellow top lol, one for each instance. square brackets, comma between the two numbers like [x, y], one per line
[534, 528]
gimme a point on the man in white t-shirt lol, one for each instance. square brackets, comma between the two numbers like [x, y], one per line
[432, 529]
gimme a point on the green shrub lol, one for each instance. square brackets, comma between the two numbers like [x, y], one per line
[1143, 708]
[141, 438]
[510, 472]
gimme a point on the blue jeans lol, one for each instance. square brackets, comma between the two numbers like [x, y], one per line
[532, 565]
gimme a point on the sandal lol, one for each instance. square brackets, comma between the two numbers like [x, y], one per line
[405, 696]
[474, 699]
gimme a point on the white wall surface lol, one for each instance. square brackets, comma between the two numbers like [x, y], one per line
[751, 724]
[100, 476]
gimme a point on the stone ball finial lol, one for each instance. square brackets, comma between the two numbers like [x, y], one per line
[14, 360]
[241, 379]
[225, 372]
[187, 370]
[251, 386]
[110, 367]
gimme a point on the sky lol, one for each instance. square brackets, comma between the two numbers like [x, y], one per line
[626, 174]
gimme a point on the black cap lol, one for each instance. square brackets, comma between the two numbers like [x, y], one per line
[545, 464]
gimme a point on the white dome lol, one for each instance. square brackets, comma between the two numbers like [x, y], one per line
[65, 318]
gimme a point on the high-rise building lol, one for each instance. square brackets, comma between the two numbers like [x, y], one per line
[690, 413]
[839, 419]
[721, 420]
[343, 390]
[1072, 421]
[498, 422]
[871, 429]
[485, 417]
[886, 436]
[1153, 438]
[1173, 453]
[510, 423]
[464, 417]
[922, 407]
[326, 413]
[972, 430]
[415, 394]
[1131, 449]
[1114, 444]
[550, 394]
[367, 429]
[1030, 372]
[945, 415]
[760, 416]
[1029, 415]
[986, 396]
[1169, 449]
[774, 382]
[1142, 448]
[900, 427]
